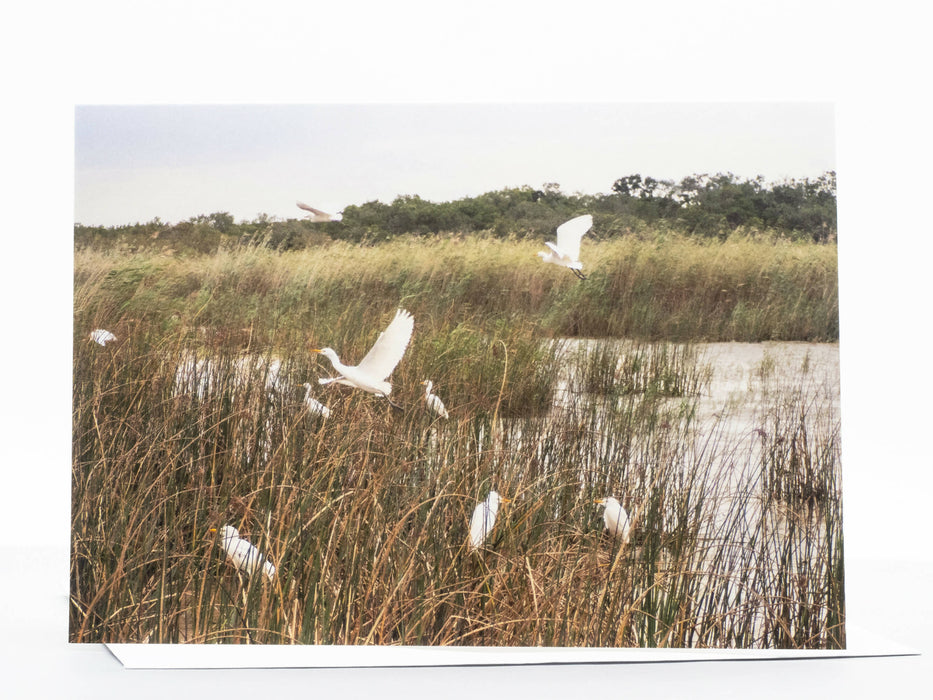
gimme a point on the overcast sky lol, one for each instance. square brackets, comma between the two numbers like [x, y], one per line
[137, 162]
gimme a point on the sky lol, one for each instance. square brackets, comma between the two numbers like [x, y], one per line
[137, 162]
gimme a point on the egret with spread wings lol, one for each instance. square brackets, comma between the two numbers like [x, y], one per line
[316, 214]
[372, 373]
[566, 252]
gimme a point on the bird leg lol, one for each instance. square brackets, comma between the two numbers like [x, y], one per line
[578, 274]
[392, 403]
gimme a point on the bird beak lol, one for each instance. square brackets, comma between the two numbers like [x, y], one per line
[213, 529]
[315, 350]
[505, 500]
[600, 501]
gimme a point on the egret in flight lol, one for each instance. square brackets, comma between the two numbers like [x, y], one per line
[566, 252]
[433, 400]
[373, 371]
[614, 517]
[484, 518]
[316, 215]
[315, 407]
[244, 556]
[102, 337]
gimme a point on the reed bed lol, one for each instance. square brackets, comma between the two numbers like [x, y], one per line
[666, 288]
[195, 418]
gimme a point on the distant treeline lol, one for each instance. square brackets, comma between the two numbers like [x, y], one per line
[711, 206]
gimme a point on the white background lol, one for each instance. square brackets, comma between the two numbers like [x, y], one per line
[872, 61]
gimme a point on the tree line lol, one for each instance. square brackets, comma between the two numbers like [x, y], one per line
[710, 206]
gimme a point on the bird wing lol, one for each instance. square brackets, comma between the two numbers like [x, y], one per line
[315, 406]
[570, 232]
[102, 336]
[437, 405]
[557, 251]
[481, 523]
[244, 555]
[389, 347]
[306, 207]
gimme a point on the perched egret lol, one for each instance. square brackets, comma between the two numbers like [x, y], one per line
[102, 337]
[315, 407]
[373, 370]
[484, 518]
[434, 401]
[566, 252]
[244, 556]
[316, 215]
[615, 517]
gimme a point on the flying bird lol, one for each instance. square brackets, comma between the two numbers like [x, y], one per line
[484, 519]
[614, 517]
[315, 407]
[243, 555]
[316, 214]
[566, 252]
[102, 337]
[433, 400]
[373, 371]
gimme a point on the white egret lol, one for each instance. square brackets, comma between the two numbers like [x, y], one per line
[484, 518]
[433, 400]
[373, 371]
[316, 215]
[102, 337]
[315, 407]
[243, 555]
[566, 252]
[614, 517]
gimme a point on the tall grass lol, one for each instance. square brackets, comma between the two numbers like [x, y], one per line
[195, 418]
[667, 288]
[365, 516]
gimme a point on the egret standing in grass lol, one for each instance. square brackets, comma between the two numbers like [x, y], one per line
[373, 371]
[566, 252]
[484, 519]
[614, 517]
[433, 400]
[243, 555]
[102, 337]
[315, 407]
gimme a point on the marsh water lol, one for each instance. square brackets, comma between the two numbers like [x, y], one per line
[742, 376]
[745, 393]
[725, 455]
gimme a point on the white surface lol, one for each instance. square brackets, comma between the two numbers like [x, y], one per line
[872, 60]
[38, 661]
[859, 643]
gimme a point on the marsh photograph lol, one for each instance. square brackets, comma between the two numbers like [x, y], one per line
[503, 375]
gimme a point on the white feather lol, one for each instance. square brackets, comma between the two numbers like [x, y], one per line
[433, 400]
[615, 518]
[374, 369]
[484, 519]
[243, 555]
[101, 336]
[315, 407]
[566, 252]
